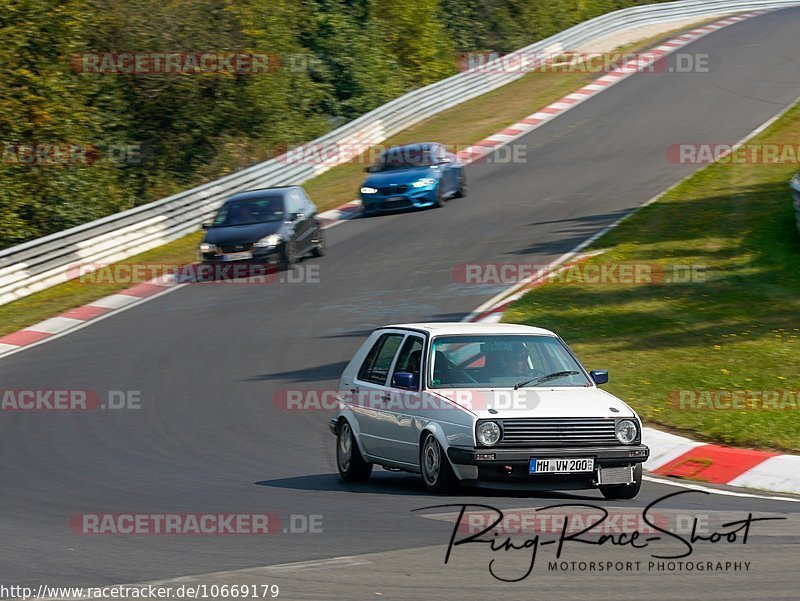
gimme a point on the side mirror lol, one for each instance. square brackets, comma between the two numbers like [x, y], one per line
[405, 379]
[600, 376]
[296, 217]
[206, 226]
[371, 168]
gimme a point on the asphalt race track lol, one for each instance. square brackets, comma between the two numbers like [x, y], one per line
[207, 360]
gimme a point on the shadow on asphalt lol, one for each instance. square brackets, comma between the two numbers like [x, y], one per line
[331, 371]
[390, 483]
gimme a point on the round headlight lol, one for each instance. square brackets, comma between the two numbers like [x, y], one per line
[488, 433]
[626, 431]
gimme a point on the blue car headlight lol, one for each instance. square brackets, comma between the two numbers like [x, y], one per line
[368, 190]
[424, 182]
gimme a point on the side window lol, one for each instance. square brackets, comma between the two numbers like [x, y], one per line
[410, 357]
[294, 203]
[376, 366]
[309, 207]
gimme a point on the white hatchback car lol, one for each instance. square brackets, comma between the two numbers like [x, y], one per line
[502, 405]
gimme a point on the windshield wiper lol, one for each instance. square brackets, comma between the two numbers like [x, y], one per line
[553, 376]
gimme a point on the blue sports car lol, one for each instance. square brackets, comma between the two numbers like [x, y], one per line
[412, 176]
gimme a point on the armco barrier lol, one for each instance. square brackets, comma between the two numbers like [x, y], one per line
[41, 263]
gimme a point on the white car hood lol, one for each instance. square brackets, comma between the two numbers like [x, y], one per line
[508, 403]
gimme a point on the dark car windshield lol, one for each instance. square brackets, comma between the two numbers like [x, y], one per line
[490, 361]
[249, 211]
[404, 157]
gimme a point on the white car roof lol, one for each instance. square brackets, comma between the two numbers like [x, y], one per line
[460, 327]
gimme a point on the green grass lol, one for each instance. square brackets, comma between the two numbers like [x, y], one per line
[737, 331]
[457, 127]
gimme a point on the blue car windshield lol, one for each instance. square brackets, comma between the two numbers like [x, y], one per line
[502, 361]
[404, 158]
[250, 211]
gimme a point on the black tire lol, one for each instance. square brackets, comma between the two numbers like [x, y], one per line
[288, 256]
[462, 185]
[437, 473]
[319, 249]
[439, 197]
[624, 491]
[349, 461]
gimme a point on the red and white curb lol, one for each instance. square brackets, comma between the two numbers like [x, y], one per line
[79, 317]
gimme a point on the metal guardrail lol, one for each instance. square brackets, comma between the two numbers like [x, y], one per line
[44, 262]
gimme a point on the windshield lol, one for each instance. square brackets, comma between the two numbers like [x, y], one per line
[404, 158]
[249, 211]
[502, 361]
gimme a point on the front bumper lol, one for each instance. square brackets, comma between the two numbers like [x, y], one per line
[511, 465]
[416, 198]
[259, 255]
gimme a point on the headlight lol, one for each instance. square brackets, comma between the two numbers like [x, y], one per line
[626, 431]
[368, 190]
[425, 181]
[268, 242]
[206, 247]
[488, 433]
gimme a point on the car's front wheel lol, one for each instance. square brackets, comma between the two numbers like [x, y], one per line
[288, 256]
[351, 464]
[319, 247]
[439, 197]
[437, 473]
[624, 491]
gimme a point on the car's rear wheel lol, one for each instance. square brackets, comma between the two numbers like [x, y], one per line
[351, 464]
[437, 473]
[319, 248]
[624, 491]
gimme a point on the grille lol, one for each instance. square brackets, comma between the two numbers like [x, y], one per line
[559, 432]
[392, 190]
[236, 248]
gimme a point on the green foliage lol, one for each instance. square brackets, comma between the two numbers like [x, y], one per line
[335, 60]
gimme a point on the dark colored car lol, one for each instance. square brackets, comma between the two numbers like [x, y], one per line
[412, 176]
[274, 225]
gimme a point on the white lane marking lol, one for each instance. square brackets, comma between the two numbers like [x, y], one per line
[716, 491]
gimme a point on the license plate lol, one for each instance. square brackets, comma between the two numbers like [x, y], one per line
[556, 465]
[236, 256]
